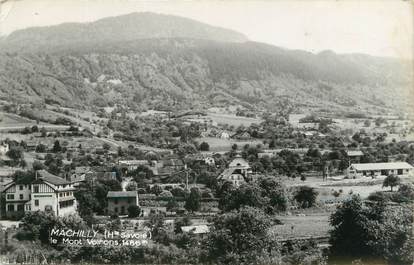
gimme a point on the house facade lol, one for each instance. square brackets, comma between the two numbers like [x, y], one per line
[119, 201]
[4, 148]
[379, 169]
[46, 193]
[238, 172]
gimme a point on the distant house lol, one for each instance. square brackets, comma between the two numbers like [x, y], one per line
[169, 166]
[242, 136]
[313, 133]
[196, 229]
[91, 174]
[46, 193]
[81, 174]
[378, 169]
[238, 172]
[354, 156]
[31, 145]
[119, 201]
[132, 164]
[204, 158]
[4, 148]
[224, 135]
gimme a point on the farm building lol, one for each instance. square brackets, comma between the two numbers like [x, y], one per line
[354, 156]
[378, 169]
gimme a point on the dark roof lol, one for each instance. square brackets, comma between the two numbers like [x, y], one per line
[119, 194]
[173, 162]
[55, 180]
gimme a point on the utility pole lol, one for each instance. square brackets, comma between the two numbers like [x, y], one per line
[186, 176]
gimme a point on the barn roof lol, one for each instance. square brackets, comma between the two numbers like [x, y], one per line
[382, 166]
[121, 194]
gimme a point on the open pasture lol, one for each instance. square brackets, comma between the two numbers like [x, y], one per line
[297, 226]
[232, 119]
[218, 144]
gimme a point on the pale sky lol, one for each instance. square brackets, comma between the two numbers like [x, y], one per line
[376, 27]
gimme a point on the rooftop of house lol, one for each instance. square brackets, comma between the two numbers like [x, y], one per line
[238, 162]
[382, 166]
[81, 170]
[354, 153]
[172, 162]
[196, 229]
[48, 177]
[133, 162]
[121, 194]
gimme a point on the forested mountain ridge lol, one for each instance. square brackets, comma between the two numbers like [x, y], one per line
[118, 60]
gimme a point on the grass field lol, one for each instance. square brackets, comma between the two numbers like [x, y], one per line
[218, 144]
[7, 119]
[301, 226]
[231, 119]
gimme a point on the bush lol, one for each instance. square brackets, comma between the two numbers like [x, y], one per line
[133, 211]
[204, 146]
[306, 196]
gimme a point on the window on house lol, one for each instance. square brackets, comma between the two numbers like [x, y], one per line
[36, 202]
[21, 196]
[36, 189]
[21, 187]
[20, 207]
[116, 209]
[10, 196]
[116, 201]
[10, 208]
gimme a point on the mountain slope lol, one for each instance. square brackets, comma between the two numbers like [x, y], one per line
[122, 28]
[111, 61]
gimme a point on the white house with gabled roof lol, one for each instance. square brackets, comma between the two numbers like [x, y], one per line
[46, 193]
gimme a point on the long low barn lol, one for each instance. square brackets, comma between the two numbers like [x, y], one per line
[377, 169]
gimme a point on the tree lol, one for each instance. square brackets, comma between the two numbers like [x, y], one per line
[348, 235]
[245, 195]
[372, 230]
[156, 189]
[41, 148]
[192, 202]
[106, 146]
[184, 221]
[172, 205]
[56, 147]
[303, 178]
[16, 154]
[133, 211]
[237, 237]
[204, 146]
[306, 196]
[391, 181]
